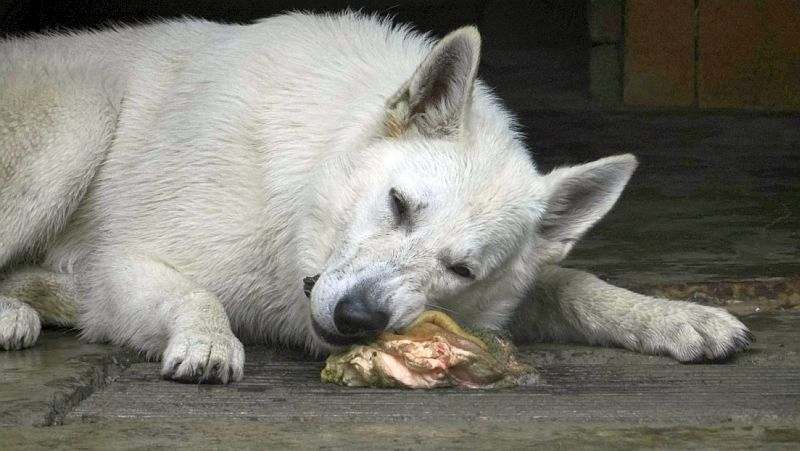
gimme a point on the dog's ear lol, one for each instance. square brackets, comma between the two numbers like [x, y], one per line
[577, 197]
[435, 99]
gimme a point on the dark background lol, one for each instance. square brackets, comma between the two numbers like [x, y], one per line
[536, 52]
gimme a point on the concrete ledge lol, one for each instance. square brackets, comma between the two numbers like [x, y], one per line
[38, 386]
[478, 435]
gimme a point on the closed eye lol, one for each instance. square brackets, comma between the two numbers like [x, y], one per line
[462, 271]
[400, 207]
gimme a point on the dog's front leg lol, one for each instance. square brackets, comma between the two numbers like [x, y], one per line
[575, 306]
[144, 303]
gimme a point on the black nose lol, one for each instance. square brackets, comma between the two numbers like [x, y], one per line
[352, 316]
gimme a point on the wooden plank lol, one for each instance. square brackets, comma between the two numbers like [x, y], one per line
[580, 384]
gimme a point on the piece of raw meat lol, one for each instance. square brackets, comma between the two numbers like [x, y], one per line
[432, 352]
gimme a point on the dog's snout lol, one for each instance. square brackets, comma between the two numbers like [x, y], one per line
[352, 316]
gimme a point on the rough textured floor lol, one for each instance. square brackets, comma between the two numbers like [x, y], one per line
[579, 384]
[587, 397]
[713, 215]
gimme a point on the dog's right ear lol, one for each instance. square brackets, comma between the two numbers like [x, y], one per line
[577, 197]
[434, 101]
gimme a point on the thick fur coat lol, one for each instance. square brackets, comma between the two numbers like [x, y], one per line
[168, 187]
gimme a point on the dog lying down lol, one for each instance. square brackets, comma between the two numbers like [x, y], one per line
[433, 352]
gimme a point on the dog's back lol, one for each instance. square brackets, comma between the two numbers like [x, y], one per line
[190, 88]
[58, 104]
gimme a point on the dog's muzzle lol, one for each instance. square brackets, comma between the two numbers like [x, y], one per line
[354, 318]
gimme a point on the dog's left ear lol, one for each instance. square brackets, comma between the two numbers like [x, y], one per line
[435, 99]
[579, 196]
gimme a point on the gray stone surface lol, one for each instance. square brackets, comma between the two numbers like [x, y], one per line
[38, 386]
[477, 435]
[474, 435]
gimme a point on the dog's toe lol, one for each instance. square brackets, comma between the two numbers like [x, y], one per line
[689, 333]
[721, 335]
[19, 326]
[216, 358]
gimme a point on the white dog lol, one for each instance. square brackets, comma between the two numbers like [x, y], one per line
[168, 187]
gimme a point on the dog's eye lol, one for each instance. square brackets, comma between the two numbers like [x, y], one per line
[399, 206]
[462, 271]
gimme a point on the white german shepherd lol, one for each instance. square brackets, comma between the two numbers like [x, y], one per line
[169, 186]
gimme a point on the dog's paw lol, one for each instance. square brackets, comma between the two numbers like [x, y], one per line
[19, 325]
[694, 333]
[203, 358]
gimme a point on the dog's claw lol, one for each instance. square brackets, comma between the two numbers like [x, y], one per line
[19, 327]
[204, 358]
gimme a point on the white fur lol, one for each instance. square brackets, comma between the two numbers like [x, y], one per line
[176, 181]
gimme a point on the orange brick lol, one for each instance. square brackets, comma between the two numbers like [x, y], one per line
[659, 53]
[749, 54]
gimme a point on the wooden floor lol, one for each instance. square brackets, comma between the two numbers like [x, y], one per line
[716, 198]
[587, 398]
[578, 384]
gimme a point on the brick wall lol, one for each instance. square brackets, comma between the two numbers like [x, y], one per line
[742, 54]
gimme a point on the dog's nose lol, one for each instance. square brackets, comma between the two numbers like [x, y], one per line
[353, 316]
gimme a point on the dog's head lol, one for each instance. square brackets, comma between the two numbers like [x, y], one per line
[446, 210]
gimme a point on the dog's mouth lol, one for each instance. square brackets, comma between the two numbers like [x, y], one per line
[331, 338]
[336, 339]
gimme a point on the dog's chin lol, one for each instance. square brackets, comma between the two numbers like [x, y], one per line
[334, 340]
